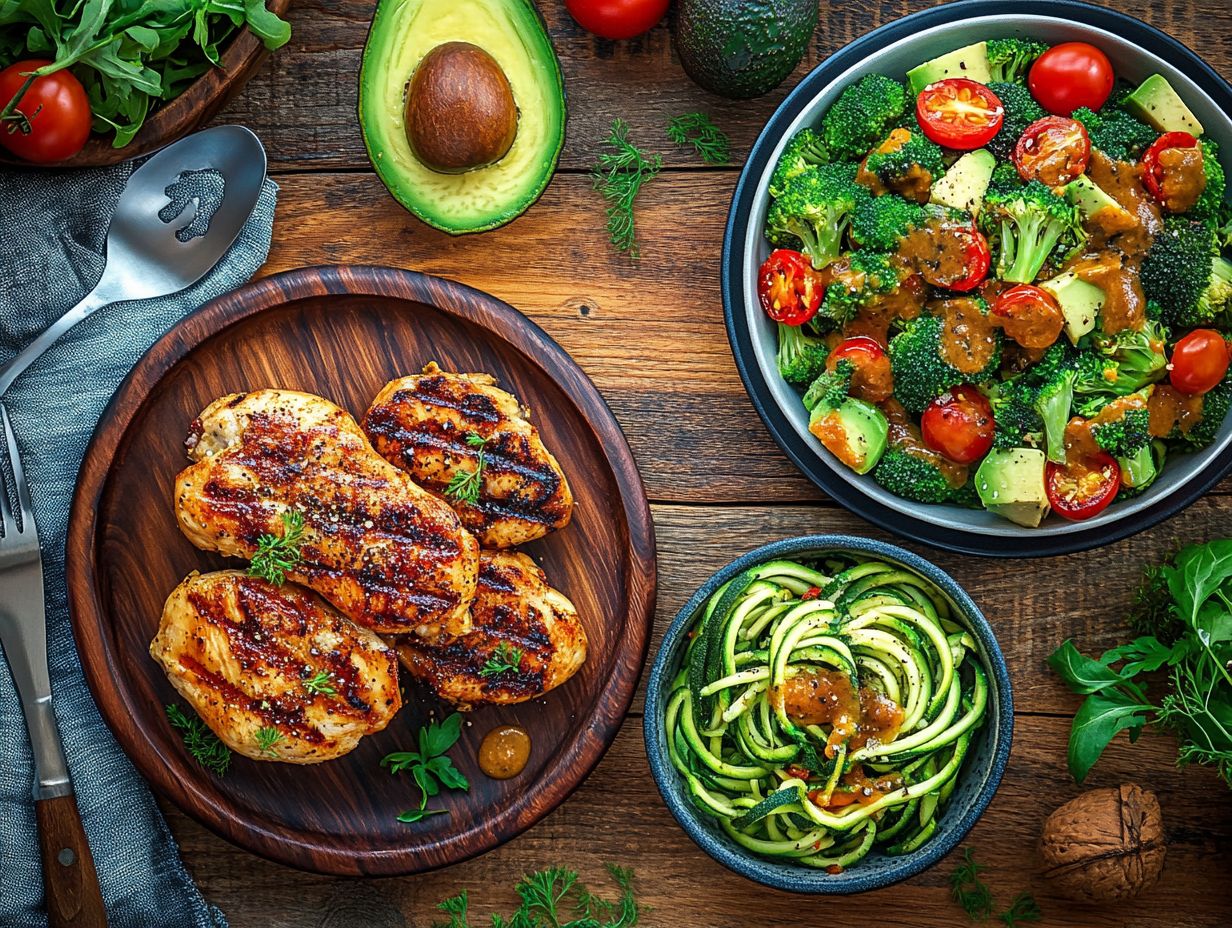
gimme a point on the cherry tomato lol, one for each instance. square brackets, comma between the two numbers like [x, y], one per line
[56, 108]
[1029, 315]
[1054, 150]
[1069, 76]
[1083, 487]
[976, 259]
[789, 288]
[617, 19]
[959, 425]
[1199, 362]
[959, 113]
[872, 380]
[1154, 174]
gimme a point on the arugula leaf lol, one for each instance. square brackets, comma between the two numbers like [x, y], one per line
[1083, 674]
[1199, 571]
[1098, 720]
[429, 766]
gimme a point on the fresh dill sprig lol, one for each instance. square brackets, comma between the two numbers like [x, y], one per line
[618, 176]
[549, 898]
[504, 657]
[968, 890]
[465, 485]
[707, 139]
[1022, 909]
[204, 746]
[318, 684]
[276, 554]
[268, 740]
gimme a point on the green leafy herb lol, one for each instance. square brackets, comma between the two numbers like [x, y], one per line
[129, 54]
[555, 898]
[268, 740]
[1185, 608]
[619, 175]
[1022, 909]
[200, 742]
[318, 684]
[276, 554]
[968, 890]
[430, 766]
[505, 657]
[466, 484]
[707, 139]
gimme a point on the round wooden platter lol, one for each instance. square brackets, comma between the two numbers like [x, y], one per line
[343, 333]
[180, 115]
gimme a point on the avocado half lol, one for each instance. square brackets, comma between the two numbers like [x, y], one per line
[402, 32]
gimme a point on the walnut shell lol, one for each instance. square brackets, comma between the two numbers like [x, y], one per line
[1104, 845]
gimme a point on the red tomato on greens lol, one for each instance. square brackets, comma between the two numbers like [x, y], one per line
[976, 260]
[1199, 362]
[56, 111]
[1069, 76]
[617, 19]
[1082, 487]
[1029, 315]
[959, 425]
[959, 113]
[1053, 150]
[1152, 171]
[872, 381]
[789, 288]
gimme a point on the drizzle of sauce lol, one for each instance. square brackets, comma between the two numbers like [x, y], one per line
[1184, 178]
[905, 435]
[1169, 408]
[1117, 275]
[857, 718]
[968, 334]
[937, 251]
[874, 319]
[915, 184]
[1080, 439]
[856, 786]
[504, 751]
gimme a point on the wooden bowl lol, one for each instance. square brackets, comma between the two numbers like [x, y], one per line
[177, 117]
[342, 333]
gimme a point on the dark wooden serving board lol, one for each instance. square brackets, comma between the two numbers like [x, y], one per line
[342, 333]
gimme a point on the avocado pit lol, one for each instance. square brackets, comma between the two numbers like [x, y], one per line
[460, 112]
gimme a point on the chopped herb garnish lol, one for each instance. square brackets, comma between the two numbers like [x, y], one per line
[277, 554]
[318, 684]
[968, 890]
[618, 176]
[430, 765]
[268, 740]
[707, 139]
[1022, 909]
[466, 484]
[204, 746]
[555, 898]
[505, 657]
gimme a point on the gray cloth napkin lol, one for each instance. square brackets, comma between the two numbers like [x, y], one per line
[52, 229]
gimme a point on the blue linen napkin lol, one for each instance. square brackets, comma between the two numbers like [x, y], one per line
[52, 230]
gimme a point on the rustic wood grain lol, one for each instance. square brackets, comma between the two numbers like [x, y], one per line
[344, 335]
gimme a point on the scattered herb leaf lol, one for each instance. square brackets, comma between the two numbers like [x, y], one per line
[549, 899]
[268, 740]
[318, 685]
[1022, 909]
[968, 890]
[276, 554]
[618, 176]
[465, 485]
[707, 139]
[505, 657]
[204, 746]
[430, 766]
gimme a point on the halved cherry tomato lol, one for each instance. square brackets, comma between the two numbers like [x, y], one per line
[1083, 487]
[976, 259]
[1069, 76]
[1029, 315]
[1054, 150]
[1199, 362]
[959, 425]
[55, 109]
[1165, 182]
[872, 381]
[789, 287]
[959, 113]
[617, 19]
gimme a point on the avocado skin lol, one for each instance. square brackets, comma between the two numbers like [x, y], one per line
[743, 48]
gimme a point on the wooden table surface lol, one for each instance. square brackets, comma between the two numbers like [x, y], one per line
[651, 336]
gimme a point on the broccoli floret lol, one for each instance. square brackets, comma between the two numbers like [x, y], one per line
[1186, 275]
[1210, 204]
[1020, 111]
[1053, 402]
[1014, 414]
[1010, 59]
[815, 208]
[880, 222]
[1097, 382]
[1215, 405]
[921, 374]
[967, 496]
[1029, 225]
[911, 477]
[862, 115]
[831, 387]
[1126, 435]
[801, 358]
[1140, 470]
[1139, 355]
[1116, 133]
[1005, 179]
[903, 152]
[805, 150]
[869, 274]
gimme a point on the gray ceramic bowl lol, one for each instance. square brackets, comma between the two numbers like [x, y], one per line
[977, 781]
[1136, 51]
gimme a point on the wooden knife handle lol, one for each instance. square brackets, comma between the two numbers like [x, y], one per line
[69, 879]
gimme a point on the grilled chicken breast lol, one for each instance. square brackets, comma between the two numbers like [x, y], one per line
[422, 424]
[276, 672]
[521, 625]
[388, 555]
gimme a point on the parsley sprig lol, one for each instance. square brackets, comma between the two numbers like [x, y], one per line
[707, 139]
[430, 766]
[277, 554]
[970, 891]
[465, 485]
[619, 175]
[204, 746]
[504, 657]
[555, 898]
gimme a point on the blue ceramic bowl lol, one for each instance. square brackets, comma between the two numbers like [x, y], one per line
[977, 781]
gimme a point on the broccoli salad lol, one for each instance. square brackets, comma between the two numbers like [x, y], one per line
[1001, 283]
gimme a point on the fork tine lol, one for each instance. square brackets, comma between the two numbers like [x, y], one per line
[19, 479]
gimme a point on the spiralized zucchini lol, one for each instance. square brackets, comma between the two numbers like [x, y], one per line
[822, 712]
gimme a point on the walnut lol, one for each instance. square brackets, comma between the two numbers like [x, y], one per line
[1104, 845]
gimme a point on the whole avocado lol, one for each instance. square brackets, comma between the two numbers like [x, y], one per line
[743, 48]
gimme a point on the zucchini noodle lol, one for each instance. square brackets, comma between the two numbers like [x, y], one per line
[821, 713]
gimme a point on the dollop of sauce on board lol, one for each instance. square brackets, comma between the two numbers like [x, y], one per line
[504, 751]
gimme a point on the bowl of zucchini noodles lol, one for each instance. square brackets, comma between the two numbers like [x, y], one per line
[828, 714]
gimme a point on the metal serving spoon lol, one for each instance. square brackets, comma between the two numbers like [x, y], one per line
[160, 243]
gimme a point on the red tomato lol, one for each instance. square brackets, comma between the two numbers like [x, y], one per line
[978, 260]
[1152, 171]
[1069, 76]
[789, 287]
[1199, 361]
[959, 425]
[1053, 150]
[56, 108]
[1083, 487]
[873, 381]
[617, 19]
[959, 113]
[1029, 315]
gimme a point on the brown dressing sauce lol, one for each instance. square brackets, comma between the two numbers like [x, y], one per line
[875, 319]
[504, 752]
[937, 251]
[1080, 441]
[905, 434]
[1184, 178]
[1169, 408]
[1117, 275]
[915, 185]
[828, 698]
[968, 336]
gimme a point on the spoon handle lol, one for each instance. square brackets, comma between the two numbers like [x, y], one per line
[28, 355]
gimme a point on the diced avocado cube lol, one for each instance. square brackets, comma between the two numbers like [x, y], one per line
[963, 186]
[1158, 105]
[1091, 200]
[1010, 483]
[970, 62]
[1080, 303]
[855, 432]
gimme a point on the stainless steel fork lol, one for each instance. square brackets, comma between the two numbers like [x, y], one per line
[71, 884]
